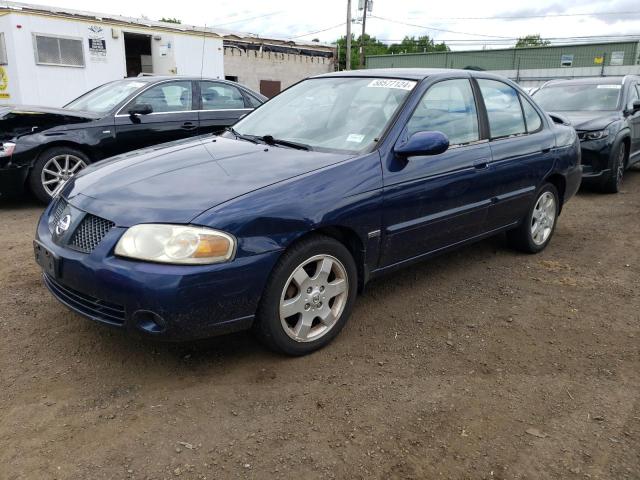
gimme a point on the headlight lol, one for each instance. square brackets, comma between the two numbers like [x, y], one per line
[7, 148]
[176, 244]
[597, 135]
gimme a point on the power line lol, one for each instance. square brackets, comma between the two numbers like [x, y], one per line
[319, 31]
[434, 28]
[249, 18]
[549, 15]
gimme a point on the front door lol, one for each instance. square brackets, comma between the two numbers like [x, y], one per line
[634, 124]
[433, 202]
[172, 117]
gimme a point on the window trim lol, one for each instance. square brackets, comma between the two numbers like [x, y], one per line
[478, 118]
[34, 36]
[526, 124]
[3, 49]
[518, 94]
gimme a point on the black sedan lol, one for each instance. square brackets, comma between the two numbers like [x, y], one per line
[605, 111]
[43, 147]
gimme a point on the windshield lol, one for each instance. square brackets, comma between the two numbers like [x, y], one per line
[104, 98]
[579, 97]
[333, 114]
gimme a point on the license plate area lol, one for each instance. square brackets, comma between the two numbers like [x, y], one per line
[48, 260]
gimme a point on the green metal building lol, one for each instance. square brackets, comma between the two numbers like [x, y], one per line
[532, 64]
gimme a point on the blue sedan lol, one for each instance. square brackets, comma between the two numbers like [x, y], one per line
[277, 224]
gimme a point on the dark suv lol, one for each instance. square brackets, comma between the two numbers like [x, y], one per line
[605, 111]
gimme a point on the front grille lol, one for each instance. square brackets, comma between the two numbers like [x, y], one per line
[90, 233]
[56, 213]
[85, 304]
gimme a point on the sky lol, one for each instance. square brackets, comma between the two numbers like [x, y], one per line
[461, 23]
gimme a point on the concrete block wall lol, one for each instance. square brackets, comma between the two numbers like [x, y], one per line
[252, 66]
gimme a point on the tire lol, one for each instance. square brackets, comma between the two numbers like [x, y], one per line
[613, 181]
[299, 286]
[523, 238]
[55, 165]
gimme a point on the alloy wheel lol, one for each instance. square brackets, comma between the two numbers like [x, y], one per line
[58, 170]
[314, 298]
[620, 166]
[543, 218]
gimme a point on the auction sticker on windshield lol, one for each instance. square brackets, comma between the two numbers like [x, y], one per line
[390, 83]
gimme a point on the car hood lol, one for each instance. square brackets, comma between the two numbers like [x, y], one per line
[176, 182]
[19, 120]
[596, 120]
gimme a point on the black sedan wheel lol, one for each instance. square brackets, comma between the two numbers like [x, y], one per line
[309, 296]
[54, 167]
[536, 229]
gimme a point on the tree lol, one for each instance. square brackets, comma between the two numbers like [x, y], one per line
[372, 46]
[421, 44]
[170, 20]
[532, 41]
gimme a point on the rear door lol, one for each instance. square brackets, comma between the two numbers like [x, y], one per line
[221, 105]
[521, 150]
[433, 202]
[173, 116]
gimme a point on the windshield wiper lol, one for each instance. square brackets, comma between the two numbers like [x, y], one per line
[269, 140]
[240, 136]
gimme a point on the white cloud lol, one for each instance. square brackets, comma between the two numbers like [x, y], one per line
[288, 18]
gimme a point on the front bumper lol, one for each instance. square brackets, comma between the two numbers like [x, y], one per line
[168, 302]
[12, 178]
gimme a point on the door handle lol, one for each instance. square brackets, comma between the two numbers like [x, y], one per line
[546, 150]
[189, 126]
[481, 164]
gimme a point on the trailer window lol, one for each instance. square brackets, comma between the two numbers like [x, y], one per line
[60, 51]
[3, 50]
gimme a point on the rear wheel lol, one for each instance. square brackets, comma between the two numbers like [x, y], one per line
[536, 229]
[308, 298]
[53, 168]
[613, 181]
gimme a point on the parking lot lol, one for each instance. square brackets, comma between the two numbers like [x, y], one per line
[482, 363]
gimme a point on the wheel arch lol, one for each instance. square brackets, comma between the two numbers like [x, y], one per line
[347, 237]
[65, 143]
[560, 182]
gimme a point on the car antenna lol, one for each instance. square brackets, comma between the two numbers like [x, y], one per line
[204, 39]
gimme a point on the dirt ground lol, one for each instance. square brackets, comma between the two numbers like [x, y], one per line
[480, 364]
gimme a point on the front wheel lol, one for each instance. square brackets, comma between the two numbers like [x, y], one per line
[536, 229]
[308, 298]
[53, 168]
[613, 181]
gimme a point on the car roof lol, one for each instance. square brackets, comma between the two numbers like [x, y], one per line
[410, 73]
[590, 81]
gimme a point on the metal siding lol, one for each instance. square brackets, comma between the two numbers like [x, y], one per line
[510, 59]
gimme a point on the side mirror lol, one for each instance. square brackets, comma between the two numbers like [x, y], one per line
[141, 109]
[635, 107]
[423, 143]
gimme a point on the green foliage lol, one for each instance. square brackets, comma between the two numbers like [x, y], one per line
[170, 20]
[375, 47]
[532, 41]
[421, 44]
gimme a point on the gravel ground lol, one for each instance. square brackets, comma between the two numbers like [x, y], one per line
[480, 364]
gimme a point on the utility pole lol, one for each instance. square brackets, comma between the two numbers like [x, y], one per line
[348, 52]
[364, 26]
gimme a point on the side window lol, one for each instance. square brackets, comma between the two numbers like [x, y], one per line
[253, 101]
[503, 109]
[448, 107]
[166, 97]
[220, 96]
[534, 122]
